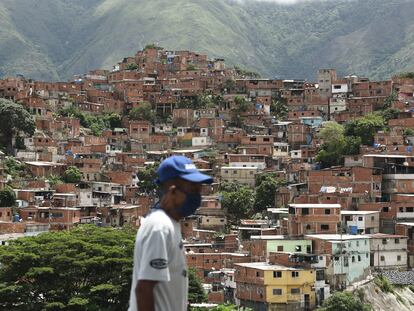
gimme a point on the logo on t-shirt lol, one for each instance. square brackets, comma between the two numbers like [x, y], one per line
[159, 263]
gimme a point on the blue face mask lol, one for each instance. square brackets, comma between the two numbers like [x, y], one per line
[191, 203]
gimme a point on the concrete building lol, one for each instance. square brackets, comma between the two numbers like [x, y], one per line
[361, 222]
[348, 257]
[313, 218]
[264, 286]
[388, 251]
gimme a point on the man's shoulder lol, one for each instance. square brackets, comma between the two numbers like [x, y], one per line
[158, 219]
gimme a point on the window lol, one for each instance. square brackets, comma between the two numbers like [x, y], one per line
[384, 241]
[305, 211]
[324, 227]
[382, 258]
[257, 273]
[372, 218]
[298, 248]
[277, 274]
[409, 209]
[397, 241]
[353, 258]
[398, 258]
[360, 218]
[295, 274]
[277, 291]
[295, 290]
[357, 243]
[359, 258]
[327, 211]
[280, 248]
[320, 275]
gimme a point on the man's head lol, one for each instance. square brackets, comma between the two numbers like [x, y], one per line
[181, 186]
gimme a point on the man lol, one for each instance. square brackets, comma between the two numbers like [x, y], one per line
[159, 280]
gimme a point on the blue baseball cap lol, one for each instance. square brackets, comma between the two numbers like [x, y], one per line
[180, 167]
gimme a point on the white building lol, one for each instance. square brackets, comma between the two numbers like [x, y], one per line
[361, 222]
[388, 251]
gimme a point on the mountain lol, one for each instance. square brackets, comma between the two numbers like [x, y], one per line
[54, 39]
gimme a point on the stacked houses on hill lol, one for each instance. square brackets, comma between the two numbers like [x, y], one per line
[327, 227]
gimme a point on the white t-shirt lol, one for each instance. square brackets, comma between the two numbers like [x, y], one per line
[159, 256]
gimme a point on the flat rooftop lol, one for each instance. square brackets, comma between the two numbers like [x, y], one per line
[315, 205]
[266, 266]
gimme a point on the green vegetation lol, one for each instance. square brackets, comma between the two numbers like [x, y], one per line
[147, 176]
[406, 75]
[72, 175]
[238, 201]
[132, 66]
[390, 99]
[266, 187]
[54, 180]
[246, 73]
[336, 145]
[85, 269]
[196, 292]
[143, 112]
[384, 284]
[279, 109]
[253, 34]
[88, 268]
[13, 119]
[344, 301]
[7, 197]
[14, 168]
[96, 123]
[365, 127]
[242, 105]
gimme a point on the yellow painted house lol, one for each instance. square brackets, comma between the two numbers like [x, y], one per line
[264, 286]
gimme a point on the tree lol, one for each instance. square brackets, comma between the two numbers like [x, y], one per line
[146, 177]
[14, 168]
[7, 197]
[196, 292]
[344, 301]
[279, 108]
[132, 66]
[393, 97]
[335, 144]
[72, 175]
[365, 127]
[241, 106]
[266, 187]
[14, 118]
[331, 131]
[87, 268]
[143, 112]
[113, 120]
[238, 203]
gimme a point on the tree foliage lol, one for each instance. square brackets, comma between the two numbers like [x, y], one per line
[266, 187]
[365, 127]
[143, 112]
[279, 108]
[87, 268]
[146, 177]
[96, 123]
[72, 175]
[14, 118]
[335, 145]
[344, 301]
[13, 167]
[238, 201]
[7, 197]
[196, 293]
